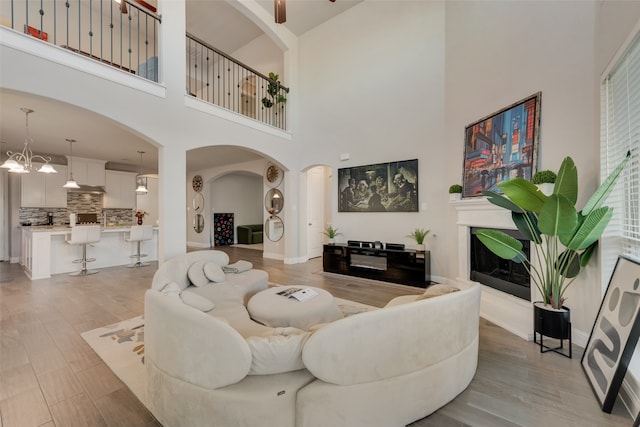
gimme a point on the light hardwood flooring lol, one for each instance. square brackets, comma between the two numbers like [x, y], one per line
[50, 377]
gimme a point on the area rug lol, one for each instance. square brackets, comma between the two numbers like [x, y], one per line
[121, 346]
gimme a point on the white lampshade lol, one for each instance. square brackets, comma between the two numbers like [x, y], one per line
[10, 164]
[141, 189]
[47, 168]
[71, 184]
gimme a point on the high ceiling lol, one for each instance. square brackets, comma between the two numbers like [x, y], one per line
[97, 137]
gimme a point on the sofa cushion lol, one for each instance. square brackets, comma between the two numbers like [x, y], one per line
[436, 291]
[214, 272]
[196, 273]
[278, 352]
[196, 301]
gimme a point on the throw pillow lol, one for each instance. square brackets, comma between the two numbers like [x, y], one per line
[437, 290]
[196, 301]
[196, 273]
[214, 272]
[275, 354]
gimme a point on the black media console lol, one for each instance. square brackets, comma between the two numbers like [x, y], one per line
[379, 262]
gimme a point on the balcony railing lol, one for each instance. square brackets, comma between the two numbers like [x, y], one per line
[125, 37]
[215, 77]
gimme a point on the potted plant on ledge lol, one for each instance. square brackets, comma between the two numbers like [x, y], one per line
[563, 238]
[545, 181]
[419, 234]
[455, 192]
[331, 233]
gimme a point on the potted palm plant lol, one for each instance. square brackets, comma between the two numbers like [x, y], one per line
[419, 234]
[331, 233]
[563, 238]
[455, 192]
[544, 180]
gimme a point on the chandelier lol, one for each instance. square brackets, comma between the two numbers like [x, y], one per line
[21, 162]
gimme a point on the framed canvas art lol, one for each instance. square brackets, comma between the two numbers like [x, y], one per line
[501, 146]
[382, 187]
[615, 333]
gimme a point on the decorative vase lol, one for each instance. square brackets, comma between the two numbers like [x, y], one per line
[546, 188]
[420, 247]
[139, 220]
[455, 196]
[332, 240]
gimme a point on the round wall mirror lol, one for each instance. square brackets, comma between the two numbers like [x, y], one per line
[198, 202]
[273, 201]
[198, 223]
[274, 228]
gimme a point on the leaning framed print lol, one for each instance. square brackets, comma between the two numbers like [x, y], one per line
[381, 187]
[501, 146]
[615, 333]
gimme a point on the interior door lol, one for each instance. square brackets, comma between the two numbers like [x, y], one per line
[315, 211]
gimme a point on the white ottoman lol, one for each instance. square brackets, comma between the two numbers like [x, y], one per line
[271, 309]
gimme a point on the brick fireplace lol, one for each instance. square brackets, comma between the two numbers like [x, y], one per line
[512, 313]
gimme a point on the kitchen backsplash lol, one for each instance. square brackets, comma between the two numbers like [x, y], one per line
[77, 203]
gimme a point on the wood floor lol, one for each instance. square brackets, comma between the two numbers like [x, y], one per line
[50, 377]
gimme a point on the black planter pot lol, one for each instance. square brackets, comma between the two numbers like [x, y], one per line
[552, 323]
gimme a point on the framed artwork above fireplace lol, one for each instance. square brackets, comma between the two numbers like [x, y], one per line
[501, 146]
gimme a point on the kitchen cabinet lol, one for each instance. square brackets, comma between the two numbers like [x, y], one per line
[120, 190]
[88, 171]
[44, 190]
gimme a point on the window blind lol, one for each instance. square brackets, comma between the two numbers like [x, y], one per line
[620, 132]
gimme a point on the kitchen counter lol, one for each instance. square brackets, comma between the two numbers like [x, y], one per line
[45, 251]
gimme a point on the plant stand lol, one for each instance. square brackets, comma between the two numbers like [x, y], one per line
[553, 324]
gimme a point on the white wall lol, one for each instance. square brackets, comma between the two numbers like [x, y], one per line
[372, 85]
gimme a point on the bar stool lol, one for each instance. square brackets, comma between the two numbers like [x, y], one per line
[138, 234]
[83, 235]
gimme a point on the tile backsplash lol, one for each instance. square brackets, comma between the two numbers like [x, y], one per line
[78, 203]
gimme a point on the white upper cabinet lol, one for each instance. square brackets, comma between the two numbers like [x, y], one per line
[44, 190]
[88, 171]
[120, 190]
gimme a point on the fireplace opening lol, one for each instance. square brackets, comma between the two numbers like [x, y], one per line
[503, 275]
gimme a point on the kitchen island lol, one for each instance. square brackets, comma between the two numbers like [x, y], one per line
[45, 251]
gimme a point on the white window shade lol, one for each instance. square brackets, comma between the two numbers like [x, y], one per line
[620, 125]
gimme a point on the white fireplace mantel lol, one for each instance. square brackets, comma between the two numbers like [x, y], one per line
[507, 311]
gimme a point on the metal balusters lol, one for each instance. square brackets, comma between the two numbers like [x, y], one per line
[92, 29]
[215, 77]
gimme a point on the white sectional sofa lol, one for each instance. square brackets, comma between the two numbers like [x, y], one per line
[386, 367]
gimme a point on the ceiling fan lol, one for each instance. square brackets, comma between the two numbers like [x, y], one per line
[280, 10]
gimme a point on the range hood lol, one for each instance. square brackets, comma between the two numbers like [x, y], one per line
[87, 189]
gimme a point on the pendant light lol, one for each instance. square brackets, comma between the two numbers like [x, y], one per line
[21, 162]
[142, 188]
[71, 183]
[280, 11]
